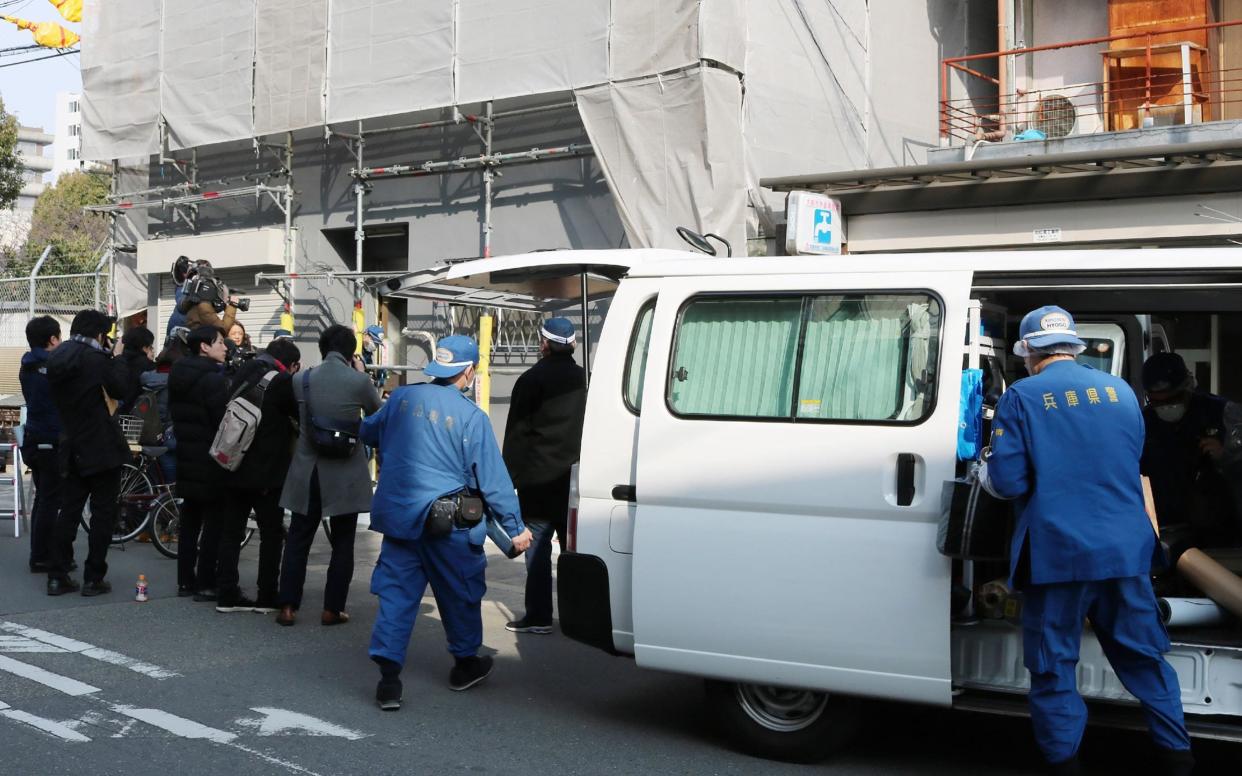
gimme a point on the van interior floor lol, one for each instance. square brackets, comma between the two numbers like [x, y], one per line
[1229, 636]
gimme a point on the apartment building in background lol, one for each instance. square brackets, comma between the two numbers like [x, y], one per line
[15, 222]
[67, 150]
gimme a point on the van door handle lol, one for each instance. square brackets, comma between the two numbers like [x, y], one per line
[625, 493]
[905, 478]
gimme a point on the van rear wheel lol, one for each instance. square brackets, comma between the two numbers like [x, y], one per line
[780, 723]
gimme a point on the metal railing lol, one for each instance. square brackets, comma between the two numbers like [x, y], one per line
[1168, 79]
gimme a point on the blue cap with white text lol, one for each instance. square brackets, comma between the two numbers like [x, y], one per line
[453, 356]
[1047, 326]
[558, 330]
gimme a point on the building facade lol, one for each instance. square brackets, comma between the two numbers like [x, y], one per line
[15, 222]
[67, 151]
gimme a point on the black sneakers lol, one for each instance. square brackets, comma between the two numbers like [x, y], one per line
[524, 625]
[266, 604]
[205, 595]
[62, 585]
[96, 588]
[388, 694]
[238, 602]
[469, 671]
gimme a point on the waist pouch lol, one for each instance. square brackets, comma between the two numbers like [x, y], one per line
[330, 438]
[460, 510]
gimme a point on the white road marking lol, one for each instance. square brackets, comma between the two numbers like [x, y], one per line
[61, 731]
[178, 726]
[47, 678]
[280, 722]
[89, 650]
[19, 644]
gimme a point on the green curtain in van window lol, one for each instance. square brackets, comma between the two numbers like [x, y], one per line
[738, 358]
[856, 359]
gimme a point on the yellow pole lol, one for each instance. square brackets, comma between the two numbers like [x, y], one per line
[483, 389]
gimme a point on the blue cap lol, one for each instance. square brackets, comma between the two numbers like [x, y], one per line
[374, 332]
[1049, 325]
[282, 334]
[1166, 372]
[453, 355]
[558, 330]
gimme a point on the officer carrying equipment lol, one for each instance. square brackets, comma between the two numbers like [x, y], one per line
[1065, 445]
[436, 446]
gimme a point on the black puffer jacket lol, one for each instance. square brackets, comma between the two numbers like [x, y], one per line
[136, 362]
[198, 392]
[267, 460]
[78, 373]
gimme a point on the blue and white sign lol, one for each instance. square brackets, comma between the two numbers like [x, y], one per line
[815, 226]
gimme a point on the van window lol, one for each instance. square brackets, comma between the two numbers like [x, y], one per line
[636, 358]
[831, 357]
[735, 357]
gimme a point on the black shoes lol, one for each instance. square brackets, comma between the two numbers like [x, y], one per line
[62, 585]
[205, 595]
[238, 602]
[266, 604]
[185, 591]
[524, 625]
[469, 671]
[388, 694]
[91, 589]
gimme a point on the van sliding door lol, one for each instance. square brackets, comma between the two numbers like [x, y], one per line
[792, 452]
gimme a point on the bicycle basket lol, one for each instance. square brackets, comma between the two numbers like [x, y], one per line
[131, 427]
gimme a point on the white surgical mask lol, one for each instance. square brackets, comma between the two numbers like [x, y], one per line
[1171, 413]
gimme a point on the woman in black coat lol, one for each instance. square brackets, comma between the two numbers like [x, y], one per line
[139, 350]
[198, 392]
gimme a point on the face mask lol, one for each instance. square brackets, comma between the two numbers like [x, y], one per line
[1171, 413]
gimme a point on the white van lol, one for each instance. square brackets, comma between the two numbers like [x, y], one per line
[765, 449]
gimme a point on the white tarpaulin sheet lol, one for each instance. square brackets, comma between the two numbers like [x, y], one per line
[208, 71]
[290, 64]
[388, 57]
[672, 150]
[653, 36]
[120, 78]
[722, 31]
[806, 94]
[509, 48]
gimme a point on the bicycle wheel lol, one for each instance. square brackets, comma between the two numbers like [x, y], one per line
[133, 505]
[166, 525]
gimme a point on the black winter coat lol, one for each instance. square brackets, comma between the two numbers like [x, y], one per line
[543, 435]
[198, 392]
[136, 362]
[91, 440]
[42, 422]
[267, 461]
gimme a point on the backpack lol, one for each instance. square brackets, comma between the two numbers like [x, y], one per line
[147, 410]
[241, 421]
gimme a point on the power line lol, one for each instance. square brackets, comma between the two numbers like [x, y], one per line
[40, 59]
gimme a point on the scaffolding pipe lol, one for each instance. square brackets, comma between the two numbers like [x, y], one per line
[189, 199]
[292, 291]
[586, 334]
[489, 176]
[470, 163]
[360, 190]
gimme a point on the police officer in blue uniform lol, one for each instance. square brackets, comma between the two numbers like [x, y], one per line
[434, 443]
[1066, 444]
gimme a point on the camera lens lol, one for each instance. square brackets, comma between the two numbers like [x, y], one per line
[243, 305]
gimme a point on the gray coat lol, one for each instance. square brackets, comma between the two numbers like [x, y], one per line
[338, 392]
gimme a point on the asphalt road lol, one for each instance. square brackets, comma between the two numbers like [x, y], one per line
[110, 686]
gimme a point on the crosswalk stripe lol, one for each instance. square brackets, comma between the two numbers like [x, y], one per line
[61, 731]
[180, 726]
[89, 650]
[47, 678]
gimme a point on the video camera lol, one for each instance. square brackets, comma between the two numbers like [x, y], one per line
[204, 286]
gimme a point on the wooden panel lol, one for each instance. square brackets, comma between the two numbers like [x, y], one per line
[1229, 46]
[1127, 76]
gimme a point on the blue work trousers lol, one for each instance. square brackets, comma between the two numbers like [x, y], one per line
[1124, 618]
[453, 567]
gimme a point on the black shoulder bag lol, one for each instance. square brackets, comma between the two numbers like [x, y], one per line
[330, 438]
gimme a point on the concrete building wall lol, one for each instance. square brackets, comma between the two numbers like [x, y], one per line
[67, 151]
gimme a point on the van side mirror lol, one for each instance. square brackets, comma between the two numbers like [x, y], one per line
[696, 240]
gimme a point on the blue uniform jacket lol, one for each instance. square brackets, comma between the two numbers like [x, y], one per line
[1066, 444]
[42, 422]
[433, 441]
[177, 318]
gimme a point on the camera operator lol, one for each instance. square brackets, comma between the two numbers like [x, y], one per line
[182, 270]
[207, 302]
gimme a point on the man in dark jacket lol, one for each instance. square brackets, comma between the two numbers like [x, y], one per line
[40, 438]
[197, 395]
[84, 380]
[257, 483]
[543, 438]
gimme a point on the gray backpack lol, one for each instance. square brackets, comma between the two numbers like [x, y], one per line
[241, 421]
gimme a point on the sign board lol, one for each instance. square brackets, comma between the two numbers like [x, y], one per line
[1046, 234]
[814, 224]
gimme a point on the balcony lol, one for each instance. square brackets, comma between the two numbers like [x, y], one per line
[1160, 86]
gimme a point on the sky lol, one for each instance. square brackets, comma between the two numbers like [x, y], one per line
[29, 90]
